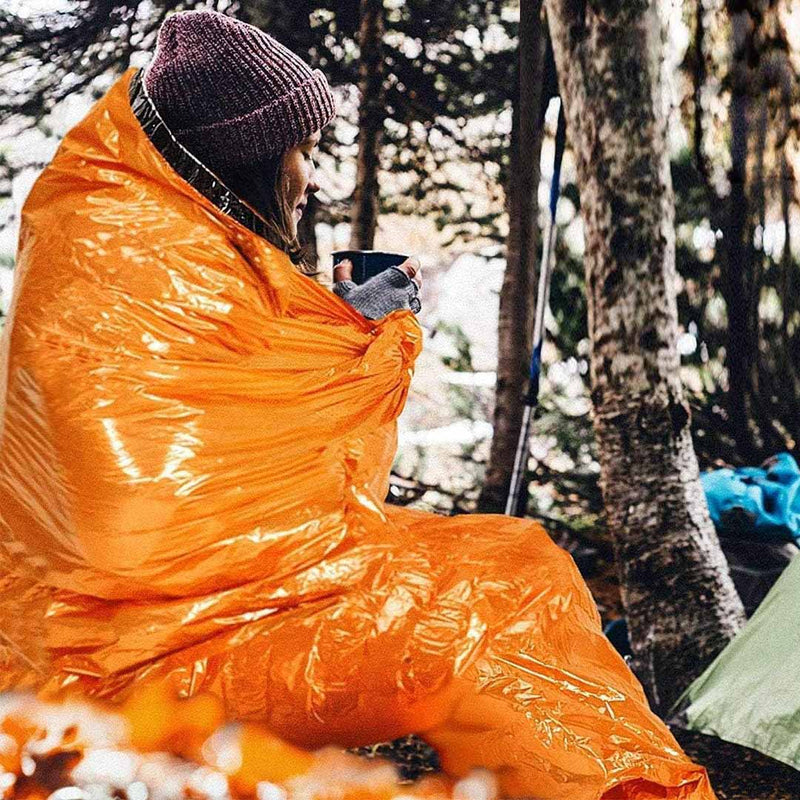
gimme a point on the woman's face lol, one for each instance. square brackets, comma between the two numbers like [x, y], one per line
[298, 169]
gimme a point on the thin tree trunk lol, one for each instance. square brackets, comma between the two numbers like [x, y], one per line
[787, 262]
[699, 86]
[364, 217]
[681, 604]
[765, 399]
[787, 292]
[738, 286]
[517, 296]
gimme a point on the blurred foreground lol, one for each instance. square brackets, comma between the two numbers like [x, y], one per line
[158, 748]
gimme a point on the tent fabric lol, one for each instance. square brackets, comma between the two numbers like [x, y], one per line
[195, 447]
[748, 694]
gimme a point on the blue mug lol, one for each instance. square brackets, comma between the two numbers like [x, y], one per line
[368, 263]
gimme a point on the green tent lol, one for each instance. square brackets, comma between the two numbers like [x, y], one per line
[750, 694]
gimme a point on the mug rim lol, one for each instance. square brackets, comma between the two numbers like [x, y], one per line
[369, 252]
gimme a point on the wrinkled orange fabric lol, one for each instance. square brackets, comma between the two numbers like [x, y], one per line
[194, 454]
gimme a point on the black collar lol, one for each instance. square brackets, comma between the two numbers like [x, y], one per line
[197, 175]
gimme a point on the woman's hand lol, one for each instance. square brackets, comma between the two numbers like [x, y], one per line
[394, 288]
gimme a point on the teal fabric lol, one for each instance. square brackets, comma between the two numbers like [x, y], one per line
[750, 694]
[760, 503]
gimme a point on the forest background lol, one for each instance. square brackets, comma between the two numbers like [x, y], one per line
[443, 147]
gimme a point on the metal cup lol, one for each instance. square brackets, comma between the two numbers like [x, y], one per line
[368, 263]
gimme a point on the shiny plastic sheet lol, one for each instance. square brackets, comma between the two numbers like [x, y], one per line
[196, 442]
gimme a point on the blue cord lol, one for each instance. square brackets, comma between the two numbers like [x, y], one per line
[532, 396]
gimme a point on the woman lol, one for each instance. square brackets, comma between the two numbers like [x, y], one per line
[195, 450]
[238, 101]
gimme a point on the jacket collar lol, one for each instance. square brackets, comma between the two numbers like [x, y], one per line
[193, 171]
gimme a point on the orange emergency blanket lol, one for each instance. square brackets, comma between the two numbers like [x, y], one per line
[194, 454]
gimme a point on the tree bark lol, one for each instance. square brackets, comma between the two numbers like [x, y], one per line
[738, 289]
[763, 393]
[680, 601]
[759, 409]
[789, 361]
[364, 217]
[787, 262]
[518, 293]
[700, 72]
[788, 292]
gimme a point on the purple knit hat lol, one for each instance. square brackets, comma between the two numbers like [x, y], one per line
[232, 94]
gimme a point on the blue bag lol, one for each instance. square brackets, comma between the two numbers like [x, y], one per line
[761, 503]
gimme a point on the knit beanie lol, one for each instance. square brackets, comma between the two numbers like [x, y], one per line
[231, 94]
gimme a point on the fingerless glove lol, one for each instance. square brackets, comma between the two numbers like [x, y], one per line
[385, 292]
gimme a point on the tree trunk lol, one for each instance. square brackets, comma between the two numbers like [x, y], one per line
[364, 217]
[738, 290]
[764, 393]
[698, 88]
[680, 601]
[786, 284]
[739, 285]
[788, 294]
[518, 293]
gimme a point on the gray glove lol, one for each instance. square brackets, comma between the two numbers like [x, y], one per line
[385, 292]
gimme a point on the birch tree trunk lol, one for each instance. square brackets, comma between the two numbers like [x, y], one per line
[517, 296]
[680, 601]
[364, 217]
